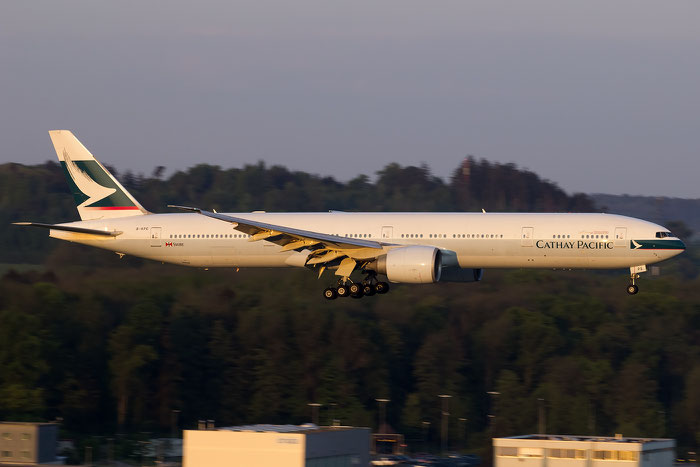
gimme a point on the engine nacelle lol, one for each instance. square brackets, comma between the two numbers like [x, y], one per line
[411, 264]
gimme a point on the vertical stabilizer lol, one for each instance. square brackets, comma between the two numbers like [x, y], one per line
[97, 193]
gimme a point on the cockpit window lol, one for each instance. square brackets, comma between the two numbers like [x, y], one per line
[663, 234]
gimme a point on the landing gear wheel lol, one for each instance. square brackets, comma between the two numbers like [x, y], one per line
[368, 289]
[330, 293]
[381, 287]
[355, 289]
[632, 289]
[342, 290]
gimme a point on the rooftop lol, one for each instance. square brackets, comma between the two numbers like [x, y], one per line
[598, 439]
[264, 428]
[28, 423]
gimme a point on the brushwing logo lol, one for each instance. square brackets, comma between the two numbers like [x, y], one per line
[90, 188]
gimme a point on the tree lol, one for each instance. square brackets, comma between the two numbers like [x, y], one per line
[133, 349]
[691, 403]
[22, 365]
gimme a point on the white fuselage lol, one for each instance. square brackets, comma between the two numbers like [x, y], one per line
[479, 240]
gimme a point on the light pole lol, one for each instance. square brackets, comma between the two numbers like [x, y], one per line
[445, 414]
[143, 451]
[463, 432]
[541, 421]
[663, 419]
[426, 427]
[314, 412]
[174, 415]
[110, 451]
[382, 415]
[492, 416]
[332, 405]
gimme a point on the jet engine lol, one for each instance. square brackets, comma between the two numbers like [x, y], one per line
[411, 264]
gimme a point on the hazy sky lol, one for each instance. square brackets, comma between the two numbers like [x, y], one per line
[595, 95]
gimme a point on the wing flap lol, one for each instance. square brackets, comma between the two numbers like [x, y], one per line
[296, 244]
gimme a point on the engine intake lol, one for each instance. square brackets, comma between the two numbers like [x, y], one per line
[411, 264]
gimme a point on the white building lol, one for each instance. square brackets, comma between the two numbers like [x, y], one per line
[582, 451]
[277, 446]
[27, 443]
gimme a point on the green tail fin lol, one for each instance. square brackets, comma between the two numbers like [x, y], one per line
[97, 193]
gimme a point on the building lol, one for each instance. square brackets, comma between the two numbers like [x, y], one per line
[277, 446]
[582, 451]
[28, 443]
[388, 443]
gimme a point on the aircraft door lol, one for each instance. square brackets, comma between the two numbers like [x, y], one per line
[387, 231]
[155, 236]
[526, 236]
[620, 236]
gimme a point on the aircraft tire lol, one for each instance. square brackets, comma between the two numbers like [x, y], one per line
[368, 289]
[355, 289]
[382, 287]
[330, 293]
[342, 291]
[632, 289]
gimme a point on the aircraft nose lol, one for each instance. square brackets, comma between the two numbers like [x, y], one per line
[676, 247]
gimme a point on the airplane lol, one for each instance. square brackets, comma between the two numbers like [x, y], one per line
[408, 248]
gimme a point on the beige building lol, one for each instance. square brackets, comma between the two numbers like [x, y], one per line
[28, 443]
[582, 451]
[277, 446]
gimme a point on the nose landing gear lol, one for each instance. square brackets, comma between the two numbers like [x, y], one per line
[632, 288]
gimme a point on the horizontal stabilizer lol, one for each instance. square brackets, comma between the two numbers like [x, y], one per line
[68, 228]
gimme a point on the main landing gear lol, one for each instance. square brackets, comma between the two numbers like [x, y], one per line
[347, 288]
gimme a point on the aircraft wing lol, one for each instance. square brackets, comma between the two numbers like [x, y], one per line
[314, 248]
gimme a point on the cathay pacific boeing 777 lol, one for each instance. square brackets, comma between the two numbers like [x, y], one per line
[411, 248]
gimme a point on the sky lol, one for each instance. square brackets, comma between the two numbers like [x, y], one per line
[597, 96]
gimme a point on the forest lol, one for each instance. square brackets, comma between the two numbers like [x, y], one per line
[111, 345]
